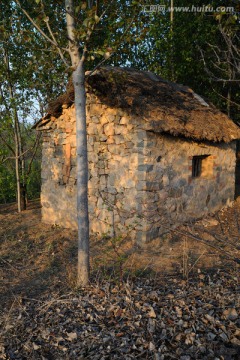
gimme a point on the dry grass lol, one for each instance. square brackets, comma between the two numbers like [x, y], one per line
[35, 257]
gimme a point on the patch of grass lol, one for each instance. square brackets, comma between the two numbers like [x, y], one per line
[45, 256]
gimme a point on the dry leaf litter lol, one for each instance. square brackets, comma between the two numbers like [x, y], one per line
[145, 319]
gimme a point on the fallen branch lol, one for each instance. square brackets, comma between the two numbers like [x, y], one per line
[228, 255]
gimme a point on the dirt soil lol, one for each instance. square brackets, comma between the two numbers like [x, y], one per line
[35, 256]
[38, 263]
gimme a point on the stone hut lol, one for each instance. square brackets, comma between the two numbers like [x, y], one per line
[159, 155]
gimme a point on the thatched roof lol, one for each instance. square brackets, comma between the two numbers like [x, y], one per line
[164, 106]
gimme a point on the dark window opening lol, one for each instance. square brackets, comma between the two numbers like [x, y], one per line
[197, 165]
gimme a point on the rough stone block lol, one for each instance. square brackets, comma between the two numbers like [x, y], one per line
[124, 120]
[92, 129]
[95, 119]
[109, 129]
[119, 139]
[95, 110]
[119, 129]
[114, 149]
[145, 167]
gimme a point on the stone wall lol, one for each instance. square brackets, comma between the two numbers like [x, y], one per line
[113, 149]
[138, 180]
[169, 193]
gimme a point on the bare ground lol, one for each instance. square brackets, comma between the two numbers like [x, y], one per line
[194, 266]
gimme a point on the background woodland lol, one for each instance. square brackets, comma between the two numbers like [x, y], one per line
[198, 49]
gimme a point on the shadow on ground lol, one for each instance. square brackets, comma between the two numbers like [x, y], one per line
[36, 258]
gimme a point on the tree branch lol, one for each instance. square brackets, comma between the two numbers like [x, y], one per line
[16, 157]
[35, 147]
[110, 55]
[54, 39]
[38, 28]
[224, 97]
[8, 146]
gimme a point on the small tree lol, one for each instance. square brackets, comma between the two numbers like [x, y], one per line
[82, 22]
[78, 62]
[22, 75]
[11, 126]
[222, 64]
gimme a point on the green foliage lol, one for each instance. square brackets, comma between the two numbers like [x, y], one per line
[173, 49]
[119, 31]
[25, 90]
[7, 185]
[7, 168]
[34, 180]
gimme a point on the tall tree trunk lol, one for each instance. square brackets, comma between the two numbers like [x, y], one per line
[23, 196]
[82, 175]
[19, 160]
[229, 102]
[17, 170]
[172, 70]
[230, 76]
[81, 151]
[21, 181]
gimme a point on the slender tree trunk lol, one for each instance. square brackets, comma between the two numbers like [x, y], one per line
[229, 102]
[23, 197]
[82, 175]
[19, 161]
[17, 171]
[172, 70]
[229, 93]
[22, 193]
[81, 151]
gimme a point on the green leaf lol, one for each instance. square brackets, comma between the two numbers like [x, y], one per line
[97, 19]
[77, 9]
[86, 22]
[99, 52]
[84, 6]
